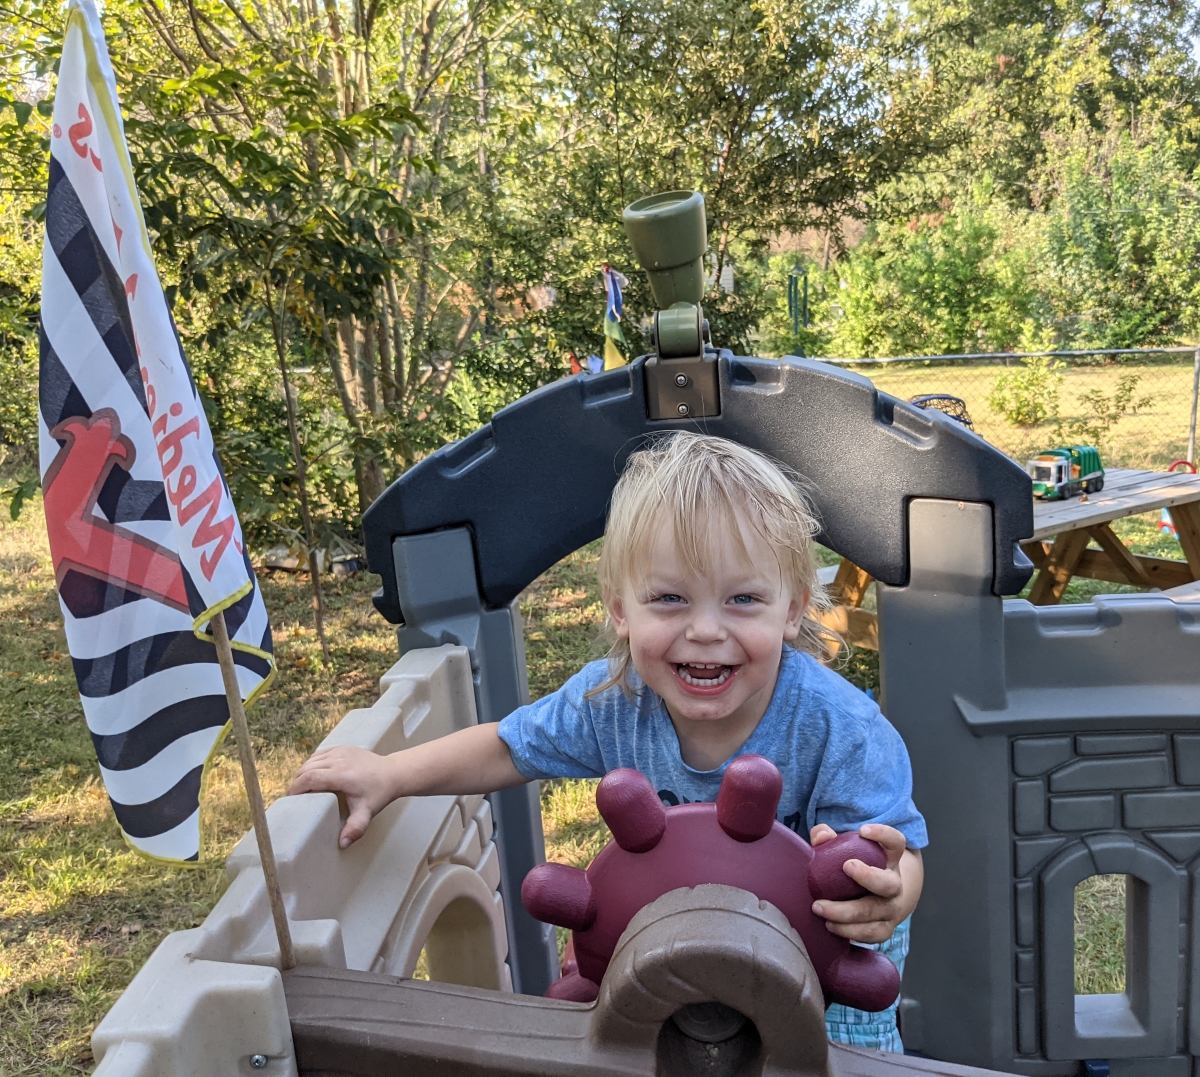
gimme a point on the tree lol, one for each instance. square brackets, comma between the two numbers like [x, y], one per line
[24, 142]
[1122, 240]
[785, 116]
[939, 283]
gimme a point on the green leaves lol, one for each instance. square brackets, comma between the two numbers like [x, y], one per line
[22, 110]
[18, 494]
[1028, 394]
[421, 205]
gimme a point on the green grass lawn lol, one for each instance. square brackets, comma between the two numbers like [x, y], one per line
[1152, 437]
[79, 912]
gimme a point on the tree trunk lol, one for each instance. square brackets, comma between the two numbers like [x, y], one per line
[420, 311]
[365, 348]
[349, 361]
[373, 481]
[310, 535]
[387, 376]
[395, 313]
[339, 380]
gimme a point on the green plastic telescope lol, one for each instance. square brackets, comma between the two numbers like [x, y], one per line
[669, 234]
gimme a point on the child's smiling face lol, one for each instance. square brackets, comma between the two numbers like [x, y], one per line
[710, 644]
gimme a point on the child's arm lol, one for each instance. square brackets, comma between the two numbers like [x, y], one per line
[472, 760]
[894, 890]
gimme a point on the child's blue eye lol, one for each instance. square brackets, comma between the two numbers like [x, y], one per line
[667, 598]
[743, 600]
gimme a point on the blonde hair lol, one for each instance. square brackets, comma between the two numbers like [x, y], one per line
[702, 486]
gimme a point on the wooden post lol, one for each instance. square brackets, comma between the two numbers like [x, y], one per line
[1059, 567]
[849, 586]
[258, 811]
[855, 626]
[1186, 518]
[1191, 446]
[1120, 555]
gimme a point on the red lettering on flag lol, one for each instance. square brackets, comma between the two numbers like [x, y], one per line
[170, 443]
[207, 531]
[87, 543]
[77, 132]
[131, 283]
[170, 456]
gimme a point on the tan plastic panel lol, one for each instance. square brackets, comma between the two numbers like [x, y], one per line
[425, 875]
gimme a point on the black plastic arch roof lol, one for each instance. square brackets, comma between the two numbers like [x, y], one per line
[534, 484]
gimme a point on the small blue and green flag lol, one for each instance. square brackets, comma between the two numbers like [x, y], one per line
[613, 283]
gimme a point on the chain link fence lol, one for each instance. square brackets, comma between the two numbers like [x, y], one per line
[1137, 405]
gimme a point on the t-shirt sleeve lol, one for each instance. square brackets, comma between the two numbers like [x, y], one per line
[556, 736]
[869, 780]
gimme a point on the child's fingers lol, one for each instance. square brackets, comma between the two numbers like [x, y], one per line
[889, 837]
[859, 911]
[356, 825]
[330, 770]
[822, 832]
[303, 782]
[319, 758]
[319, 779]
[883, 882]
[871, 931]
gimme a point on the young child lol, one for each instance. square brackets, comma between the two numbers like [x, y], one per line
[707, 576]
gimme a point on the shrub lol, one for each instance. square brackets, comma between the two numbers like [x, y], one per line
[1028, 395]
[1102, 412]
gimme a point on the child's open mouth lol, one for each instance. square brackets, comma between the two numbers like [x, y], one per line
[697, 675]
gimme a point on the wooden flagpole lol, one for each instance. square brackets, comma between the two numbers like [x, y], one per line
[258, 812]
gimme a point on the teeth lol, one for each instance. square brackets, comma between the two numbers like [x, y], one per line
[704, 682]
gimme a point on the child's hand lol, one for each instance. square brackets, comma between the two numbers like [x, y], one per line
[362, 777]
[894, 890]
[472, 760]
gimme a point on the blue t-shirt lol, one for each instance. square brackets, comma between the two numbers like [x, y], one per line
[842, 761]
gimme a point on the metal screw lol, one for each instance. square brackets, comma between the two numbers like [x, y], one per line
[681, 380]
[258, 1062]
[683, 409]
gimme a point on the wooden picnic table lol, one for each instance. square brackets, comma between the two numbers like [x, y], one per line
[1075, 523]
[1072, 524]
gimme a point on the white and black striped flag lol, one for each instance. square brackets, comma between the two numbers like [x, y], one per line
[144, 536]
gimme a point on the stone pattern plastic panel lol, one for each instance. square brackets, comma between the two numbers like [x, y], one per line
[424, 876]
[1070, 793]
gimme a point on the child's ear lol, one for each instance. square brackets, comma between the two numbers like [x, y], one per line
[795, 615]
[616, 616]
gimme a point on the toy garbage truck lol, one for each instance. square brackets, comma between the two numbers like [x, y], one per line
[1066, 472]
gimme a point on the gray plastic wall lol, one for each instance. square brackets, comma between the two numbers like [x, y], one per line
[440, 597]
[1049, 745]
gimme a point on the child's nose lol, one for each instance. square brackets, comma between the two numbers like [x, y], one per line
[705, 627]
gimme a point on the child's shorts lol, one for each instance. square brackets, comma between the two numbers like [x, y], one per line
[878, 1030]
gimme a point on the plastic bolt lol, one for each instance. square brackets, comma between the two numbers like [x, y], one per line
[683, 409]
[681, 380]
[258, 1062]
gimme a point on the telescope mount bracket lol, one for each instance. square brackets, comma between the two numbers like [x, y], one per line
[681, 377]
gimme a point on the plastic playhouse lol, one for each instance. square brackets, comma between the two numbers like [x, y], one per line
[1048, 744]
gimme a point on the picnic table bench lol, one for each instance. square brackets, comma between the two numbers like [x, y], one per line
[1060, 549]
